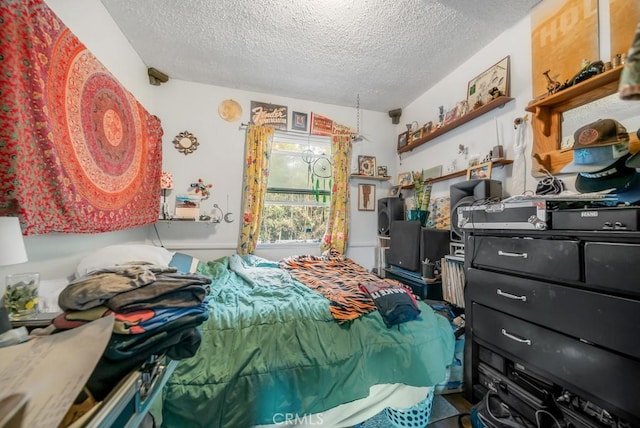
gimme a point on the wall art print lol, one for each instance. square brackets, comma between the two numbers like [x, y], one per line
[272, 115]
[81, 154]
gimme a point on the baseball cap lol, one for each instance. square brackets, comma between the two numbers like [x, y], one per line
[631, 192]
[616, 175]
[634, 160]
[597, 145]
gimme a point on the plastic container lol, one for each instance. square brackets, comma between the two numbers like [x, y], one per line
[416, 416]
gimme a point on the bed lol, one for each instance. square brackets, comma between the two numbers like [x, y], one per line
[272, 352]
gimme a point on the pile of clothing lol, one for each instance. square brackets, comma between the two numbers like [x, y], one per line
[157, 311]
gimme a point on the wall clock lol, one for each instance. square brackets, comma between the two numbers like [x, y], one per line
[185, 142]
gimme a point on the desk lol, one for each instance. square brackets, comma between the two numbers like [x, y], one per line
[421, 287]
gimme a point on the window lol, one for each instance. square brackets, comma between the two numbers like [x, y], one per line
[297, 200]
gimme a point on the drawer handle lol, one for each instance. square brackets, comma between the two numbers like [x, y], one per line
[517, 339]
[506, 254]
[510, 296]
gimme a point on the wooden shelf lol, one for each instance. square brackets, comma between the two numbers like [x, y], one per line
[461, 173]
[547, 118]
[493, 104]
[371, 177]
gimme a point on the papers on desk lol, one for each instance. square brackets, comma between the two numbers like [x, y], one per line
[52, 370]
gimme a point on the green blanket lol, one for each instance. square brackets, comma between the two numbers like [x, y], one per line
[271, 346]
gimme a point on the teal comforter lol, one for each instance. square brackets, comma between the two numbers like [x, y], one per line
[271, 346]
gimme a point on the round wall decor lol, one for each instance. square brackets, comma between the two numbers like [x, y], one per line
[185, 142]
[230, 110]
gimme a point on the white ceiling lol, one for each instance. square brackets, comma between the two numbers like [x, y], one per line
[387, 51]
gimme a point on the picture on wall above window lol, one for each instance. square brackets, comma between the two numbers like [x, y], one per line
[299, 121]
[269, 114]
[489, 84]
[367, 165]
[366, 197]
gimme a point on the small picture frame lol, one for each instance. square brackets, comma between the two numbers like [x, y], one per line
[366, 197]
[405, 179]
[382, 171]
[403, 139]
[482, 171]
[367, 165]
[416, 135]
[299, 121]
[395, 191]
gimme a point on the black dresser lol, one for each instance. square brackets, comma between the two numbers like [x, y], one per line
[553, 323]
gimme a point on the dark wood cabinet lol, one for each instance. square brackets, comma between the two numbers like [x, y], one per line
[559, 308]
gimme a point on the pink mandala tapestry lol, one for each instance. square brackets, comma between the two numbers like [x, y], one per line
[78, 153]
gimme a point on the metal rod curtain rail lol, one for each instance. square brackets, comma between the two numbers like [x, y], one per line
[243, 126]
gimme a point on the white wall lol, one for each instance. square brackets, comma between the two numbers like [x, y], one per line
[186, 106]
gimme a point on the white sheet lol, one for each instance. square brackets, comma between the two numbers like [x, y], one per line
[395, 395]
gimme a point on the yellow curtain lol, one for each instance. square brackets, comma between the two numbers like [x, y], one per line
[337, 232]
[256, 174]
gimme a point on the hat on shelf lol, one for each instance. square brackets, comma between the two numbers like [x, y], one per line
[614, 176]
[631, 192]
[634, 160]
[598, 145]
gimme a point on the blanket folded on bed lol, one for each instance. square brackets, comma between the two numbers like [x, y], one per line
[337, 278]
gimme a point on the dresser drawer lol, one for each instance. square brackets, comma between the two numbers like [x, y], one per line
[592, 370]
[608, 321]
[612, 265]
[558, 259]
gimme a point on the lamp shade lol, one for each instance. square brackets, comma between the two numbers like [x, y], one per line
[12, 249]
[166, 181]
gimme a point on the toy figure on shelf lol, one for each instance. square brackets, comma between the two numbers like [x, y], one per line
[553, 86]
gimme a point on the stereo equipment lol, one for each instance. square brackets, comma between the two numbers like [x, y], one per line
[404, 245]
[434, 244]
[410, 244]
[527, 215]
[389, 210]
[611, 218]
[468, 193]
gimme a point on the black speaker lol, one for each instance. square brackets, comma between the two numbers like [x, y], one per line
[467, 193]
[404, 245]
[434, 244]
[389, 209]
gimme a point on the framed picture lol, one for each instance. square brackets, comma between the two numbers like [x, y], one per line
[479, 171]
[367, 165]
[416, 135]
[405, 179]
[403, 139]
[450, 116]
[382, 171]
[366, 197]
[395, 191]
[299, 121]
[481, 88]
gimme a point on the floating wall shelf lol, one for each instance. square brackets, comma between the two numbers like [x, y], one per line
[460, 173]
[371, 177]
[493, 104]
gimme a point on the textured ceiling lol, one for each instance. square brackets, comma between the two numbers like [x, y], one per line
[387, 51]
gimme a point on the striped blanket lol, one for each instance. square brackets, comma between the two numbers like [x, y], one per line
[338, 279]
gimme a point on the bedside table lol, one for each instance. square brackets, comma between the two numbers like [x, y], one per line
[37, 320]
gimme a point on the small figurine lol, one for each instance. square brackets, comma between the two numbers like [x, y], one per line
[494, 92]
[552, 85]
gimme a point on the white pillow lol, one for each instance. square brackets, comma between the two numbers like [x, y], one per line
[114, 255]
